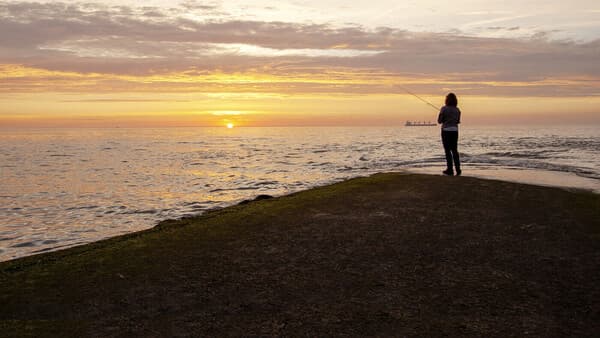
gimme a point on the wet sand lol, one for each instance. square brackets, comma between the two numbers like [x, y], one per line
[387, 255]
[548, 178]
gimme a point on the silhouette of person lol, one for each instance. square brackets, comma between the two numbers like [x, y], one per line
[449, 118]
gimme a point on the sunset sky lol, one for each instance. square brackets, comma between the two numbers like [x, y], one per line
[296, 62]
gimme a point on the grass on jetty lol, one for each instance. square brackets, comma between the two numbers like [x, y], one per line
[390, 254]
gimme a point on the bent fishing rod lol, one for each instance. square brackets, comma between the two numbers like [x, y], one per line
[437, 109]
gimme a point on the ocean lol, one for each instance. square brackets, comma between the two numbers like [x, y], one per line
[65, 187]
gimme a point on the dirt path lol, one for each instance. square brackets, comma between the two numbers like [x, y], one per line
[388, 255]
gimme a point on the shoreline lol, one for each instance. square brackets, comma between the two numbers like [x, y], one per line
[387, 254]
[535, 177]
[113, 182]
[530, 176]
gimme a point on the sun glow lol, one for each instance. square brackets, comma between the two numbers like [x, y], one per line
[229, 125]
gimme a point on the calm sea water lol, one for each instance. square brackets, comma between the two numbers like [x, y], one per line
[63, 187]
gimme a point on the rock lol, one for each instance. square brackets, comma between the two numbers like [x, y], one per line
[257, 198]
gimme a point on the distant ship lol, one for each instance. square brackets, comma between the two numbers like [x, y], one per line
[419, 124]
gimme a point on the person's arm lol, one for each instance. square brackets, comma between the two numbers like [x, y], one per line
[458, 119]
[441, 116]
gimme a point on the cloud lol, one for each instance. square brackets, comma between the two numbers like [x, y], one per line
[198, 47]
[96, 100]
[498, 19]
[500, 28]
[194, 5]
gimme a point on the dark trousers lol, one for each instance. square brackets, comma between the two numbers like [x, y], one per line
[450, 141]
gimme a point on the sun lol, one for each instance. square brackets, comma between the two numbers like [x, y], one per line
[229, 125]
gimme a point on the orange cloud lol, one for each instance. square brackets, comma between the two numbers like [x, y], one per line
[292, 80]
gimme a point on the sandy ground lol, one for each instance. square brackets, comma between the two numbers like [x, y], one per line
[387, 255]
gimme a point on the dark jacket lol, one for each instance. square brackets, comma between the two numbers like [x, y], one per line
[449, 116]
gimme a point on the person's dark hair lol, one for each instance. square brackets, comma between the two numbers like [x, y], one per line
[451, 100]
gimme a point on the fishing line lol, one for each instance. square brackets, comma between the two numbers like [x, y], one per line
[437, 109]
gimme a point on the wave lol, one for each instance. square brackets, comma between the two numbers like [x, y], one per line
[539, 154]
[234, 189]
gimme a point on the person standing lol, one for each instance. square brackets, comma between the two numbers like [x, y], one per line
[449, 118]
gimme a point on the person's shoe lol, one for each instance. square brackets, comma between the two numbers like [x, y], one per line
[448, 172]
[458, 172]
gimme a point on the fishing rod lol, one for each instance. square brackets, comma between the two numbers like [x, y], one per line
[437, 109]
